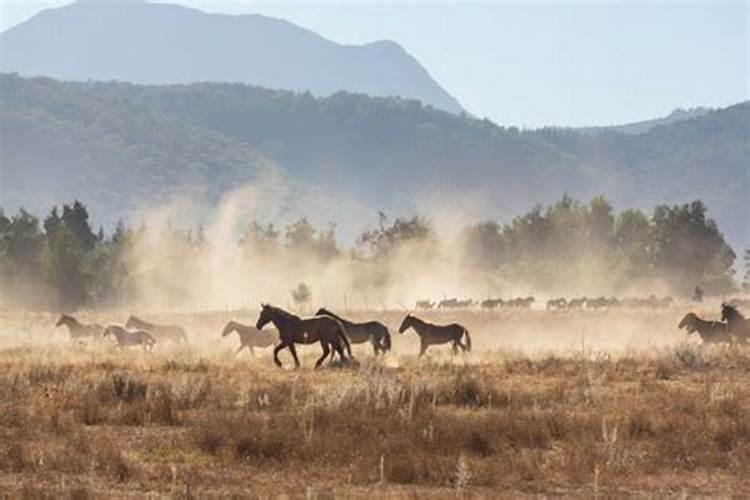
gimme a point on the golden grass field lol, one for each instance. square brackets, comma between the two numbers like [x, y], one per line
[554, 404]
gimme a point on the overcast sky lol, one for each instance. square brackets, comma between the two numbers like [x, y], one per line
[532, 63]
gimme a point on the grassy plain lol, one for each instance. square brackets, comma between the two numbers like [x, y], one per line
[592, 404]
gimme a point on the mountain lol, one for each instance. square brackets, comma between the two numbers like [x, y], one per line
[641, 127]
[161, 43]
[120, 145]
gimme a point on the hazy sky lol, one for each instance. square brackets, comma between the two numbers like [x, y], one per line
[533, 63]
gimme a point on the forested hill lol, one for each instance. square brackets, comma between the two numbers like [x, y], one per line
[122, 143]
[158, 43]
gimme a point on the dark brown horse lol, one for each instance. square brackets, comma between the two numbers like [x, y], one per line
[250, 336]
[369, 331]
[430, 334]
[295, 330]
[78, 330]
[710, 332]
[737, 324]
[163, 333]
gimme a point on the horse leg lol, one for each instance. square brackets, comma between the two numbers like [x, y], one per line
[252, 351]
[293, 350]
[276, 353]
[242, 346]
[422, 348]
[455, 346]
[375, 347]
[326, 351]
[340, 349]
[332, 349]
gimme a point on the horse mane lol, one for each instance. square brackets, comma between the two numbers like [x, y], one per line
[332, 314]
[68, 317]
[732, 311]
[419, 320]
[284, 313]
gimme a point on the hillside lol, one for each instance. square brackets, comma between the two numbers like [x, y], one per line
[644, 126]
[162, 43]
[127, 143]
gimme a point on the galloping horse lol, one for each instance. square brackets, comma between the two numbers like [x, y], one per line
[737, 324]
[127, 338]
[358, 333]
[295, 330]
[430, 334]
[250, 336]
[164, 333]
[78, 330]
[710, 332]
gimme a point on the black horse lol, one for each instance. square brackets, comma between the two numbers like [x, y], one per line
[295, 330]
[430, 334]
[737, 324]
[710, 332]
[370, 331]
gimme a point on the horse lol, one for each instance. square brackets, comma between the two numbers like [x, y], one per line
[492, 303]
[520, 302]
[577, 304]
[373, 331]
[430, 334]
[78, 330]
[128, 338]
[250, 336]
[295, 330]
[557, 304]
[737, 324]
[164, 333]
[710, 332]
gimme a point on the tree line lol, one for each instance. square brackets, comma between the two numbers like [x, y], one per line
[60, 261]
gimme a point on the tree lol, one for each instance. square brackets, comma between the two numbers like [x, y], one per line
[746, 281]
[384, 240]
[483, 245]
[302, 295]
[303, 237]
[688, 249]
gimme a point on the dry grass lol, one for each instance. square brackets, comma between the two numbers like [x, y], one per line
[196, 422]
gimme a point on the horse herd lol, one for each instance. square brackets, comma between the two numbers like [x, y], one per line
[732, 328]
[554, 304]
[334, 333]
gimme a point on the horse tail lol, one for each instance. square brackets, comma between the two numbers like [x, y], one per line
[387, 340]
[468, 340]
[342, 334]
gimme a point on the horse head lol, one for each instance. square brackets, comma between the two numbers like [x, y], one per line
[406, 323]
[229, 328]
[131, 322]
[688, 322]
[64, 318]
[265, 316]
[730, 313]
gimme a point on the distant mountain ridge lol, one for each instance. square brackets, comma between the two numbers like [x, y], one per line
[156, 43]
[644, 126]
[120, 145]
